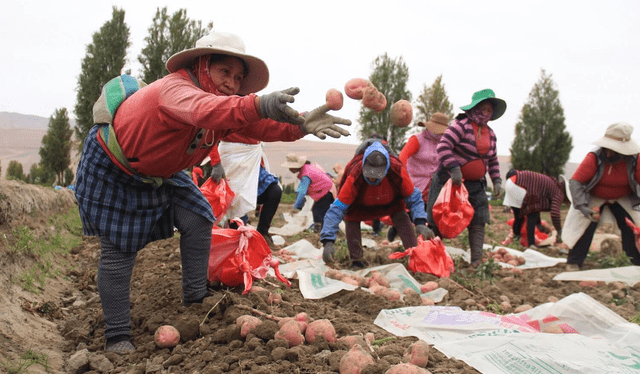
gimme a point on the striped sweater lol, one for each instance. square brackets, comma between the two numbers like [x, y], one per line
[544, 194]
[458, 146]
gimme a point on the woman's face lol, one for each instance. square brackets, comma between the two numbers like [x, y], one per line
[227, 75]
[486, 108]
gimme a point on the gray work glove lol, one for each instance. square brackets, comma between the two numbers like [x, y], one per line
[274, 106]
[497, 187]
[456, 175]
[217, 173]
[321, 124]
[328, 252]
[425, 232]
[590, 214]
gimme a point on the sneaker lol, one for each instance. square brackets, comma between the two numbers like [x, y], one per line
[572, 267]
[359, 264]
[391, 234]
[121, 347]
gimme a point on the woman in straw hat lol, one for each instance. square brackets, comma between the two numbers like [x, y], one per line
[465, 152]
[130, 186]
[604, 188]
[314, 182]
[420, 157]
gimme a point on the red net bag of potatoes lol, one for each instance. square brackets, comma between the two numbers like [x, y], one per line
[452, 211]
[219, 196]
[429, 256]
[240, 256]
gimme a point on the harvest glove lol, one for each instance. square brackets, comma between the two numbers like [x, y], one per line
[497, 187]
[590, 214]
[274, 106]
[456, 175]
[328, 252]
[425, 232]
[217, 173]
[321, 124]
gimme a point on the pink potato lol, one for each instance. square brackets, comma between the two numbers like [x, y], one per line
[166, 336]
[401, 113]
[290, 331]
[355, 88]
[406, 369]
[354, 361]
[274, 298]
[351, 340]
[427, 301]
[374, 99]
[429, 286]
[247, 324]
[303, 320]
[393, 295]
[379, 278]
[321, 327]
[334, 274]
[334, 99]
[417, 354]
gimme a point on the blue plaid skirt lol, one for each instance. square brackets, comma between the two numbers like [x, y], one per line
[129, 212]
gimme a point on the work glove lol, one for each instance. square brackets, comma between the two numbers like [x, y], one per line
[328, 252]
[497, 188]
[590, 214]
[456, 175]
[425, 232]
[274, 106]
[321, 124]
[217, 173]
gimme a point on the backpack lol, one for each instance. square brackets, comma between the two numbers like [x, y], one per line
[113, 93]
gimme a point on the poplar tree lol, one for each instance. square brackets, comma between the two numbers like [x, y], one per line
[167, 35]
[431, 100]
[541, 142]
[105, 59]
[390, 76]
[14, 170]
[55, 151]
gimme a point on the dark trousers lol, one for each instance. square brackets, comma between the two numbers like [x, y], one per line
[579, 252]
[533, 219]
[320, 207]
[270, 200]
[401, 222]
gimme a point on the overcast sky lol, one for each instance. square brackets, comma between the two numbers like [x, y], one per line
[590, 48]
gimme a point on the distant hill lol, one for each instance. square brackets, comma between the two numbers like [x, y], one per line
[21, 137]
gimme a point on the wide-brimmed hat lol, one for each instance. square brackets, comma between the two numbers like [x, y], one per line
[228, 44]
[437, 124]
[294, 161]
[499, 105]
[618, 138]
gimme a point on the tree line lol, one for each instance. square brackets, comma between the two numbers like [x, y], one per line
[541, 141]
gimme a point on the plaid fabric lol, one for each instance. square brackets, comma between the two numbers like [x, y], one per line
[129, 212]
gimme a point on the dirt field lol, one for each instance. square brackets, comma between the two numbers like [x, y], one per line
[63, 321]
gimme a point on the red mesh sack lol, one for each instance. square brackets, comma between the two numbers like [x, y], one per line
[219, 196]
[452, 211]
[429, 256]
[240, 256]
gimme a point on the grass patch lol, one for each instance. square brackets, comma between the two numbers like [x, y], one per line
[288, 198]
[49, 252]
[28, 359]
[608, 261]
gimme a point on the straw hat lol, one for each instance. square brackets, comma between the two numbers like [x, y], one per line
[437, 124]
[294, 162]
[499, 105]
[618, 138]
[228, 44]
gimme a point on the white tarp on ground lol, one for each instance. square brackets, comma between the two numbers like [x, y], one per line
[629, 275]
[533, 259]
[596, 340]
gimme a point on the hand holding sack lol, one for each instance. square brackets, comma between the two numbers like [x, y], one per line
[429, 256]
[240, 256]
[219, 195]
[452, 211]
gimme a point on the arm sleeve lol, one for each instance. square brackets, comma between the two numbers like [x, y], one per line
[556, 205]
[409, 149]
[302, 192]
[447, 142]
[332, 220]
[416, 207]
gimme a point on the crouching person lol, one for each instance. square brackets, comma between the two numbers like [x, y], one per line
[374, 184]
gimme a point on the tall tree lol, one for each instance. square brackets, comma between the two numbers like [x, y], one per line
[104, 60]
[55, 151]
[38, 174]
[390, 76]
[541, 142]
[14, 170]
[431, 100]
[168, 35]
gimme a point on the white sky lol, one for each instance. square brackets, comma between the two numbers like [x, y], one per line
[590, 48]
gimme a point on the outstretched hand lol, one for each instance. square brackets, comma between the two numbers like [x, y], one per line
[275, 106]
[321, 124]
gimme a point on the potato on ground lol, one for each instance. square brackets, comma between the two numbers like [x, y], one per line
[247, 324]
[166, 336]
[417, 354]
[354, 361]
[290, 331]
[321, 327]
[352, 340]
